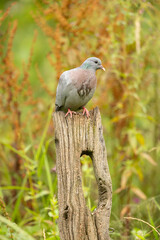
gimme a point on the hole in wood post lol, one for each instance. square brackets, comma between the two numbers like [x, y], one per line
[56, 141]
[89, 184]
[65, 213]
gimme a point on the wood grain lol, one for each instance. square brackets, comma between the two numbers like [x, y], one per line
[74, 137]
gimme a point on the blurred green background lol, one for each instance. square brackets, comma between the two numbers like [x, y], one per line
[38, 41]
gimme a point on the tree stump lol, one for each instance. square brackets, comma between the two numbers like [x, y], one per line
[74, 137]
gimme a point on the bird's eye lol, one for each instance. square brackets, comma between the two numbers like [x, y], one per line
[96, 62]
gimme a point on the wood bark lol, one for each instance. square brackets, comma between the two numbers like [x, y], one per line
[74, 137]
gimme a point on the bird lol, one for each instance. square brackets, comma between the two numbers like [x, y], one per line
[77, 86]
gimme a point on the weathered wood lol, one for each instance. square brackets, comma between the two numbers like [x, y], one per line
[74, 137]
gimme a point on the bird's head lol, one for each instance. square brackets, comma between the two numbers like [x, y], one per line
[92, 63]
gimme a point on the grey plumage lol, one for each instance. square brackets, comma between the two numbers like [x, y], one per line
[77, 86]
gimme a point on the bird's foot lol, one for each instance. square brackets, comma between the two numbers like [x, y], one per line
[70, 112]
[85, 111]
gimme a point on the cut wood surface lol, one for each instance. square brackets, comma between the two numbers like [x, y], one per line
[74, 137]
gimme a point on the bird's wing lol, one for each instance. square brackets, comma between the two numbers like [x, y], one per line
[60, 96]
[63, 89]
[76, 78]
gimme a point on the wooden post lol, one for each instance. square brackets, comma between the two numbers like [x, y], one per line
[74, 137]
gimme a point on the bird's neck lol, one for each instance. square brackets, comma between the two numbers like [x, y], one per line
[86, 66]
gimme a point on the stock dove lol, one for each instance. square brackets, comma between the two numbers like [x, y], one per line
[77, 86]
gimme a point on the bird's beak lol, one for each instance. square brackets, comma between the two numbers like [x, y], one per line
[102, 68]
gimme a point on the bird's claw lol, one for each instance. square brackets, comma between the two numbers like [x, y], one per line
[70, 112]
[85, 111]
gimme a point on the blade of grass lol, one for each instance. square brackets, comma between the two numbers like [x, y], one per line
[140, 220]
[41, 160]
[20, 195]
[158, 206]
[19, 152]
[152, 230]
[24, 235]
[39, 150]
[48, 173]
[14, 188]
[151, 221]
